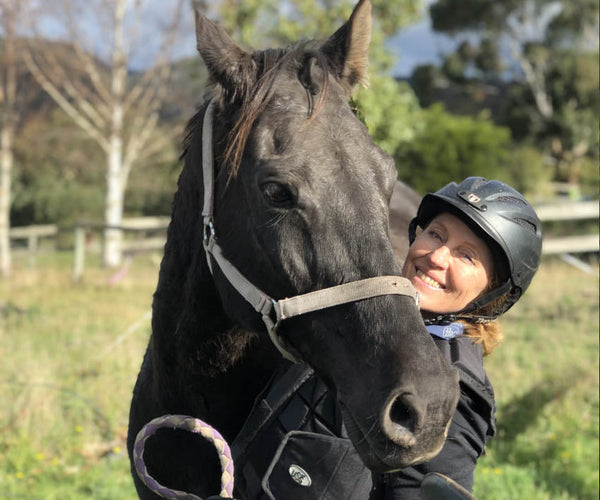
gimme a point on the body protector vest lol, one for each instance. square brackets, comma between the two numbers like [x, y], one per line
[294, 444]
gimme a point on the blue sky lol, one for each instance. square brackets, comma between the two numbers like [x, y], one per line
[413, 45]
[418, 44]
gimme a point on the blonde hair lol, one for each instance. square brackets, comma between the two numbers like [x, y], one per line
[488, 334]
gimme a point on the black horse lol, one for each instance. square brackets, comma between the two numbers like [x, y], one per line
[301, 203]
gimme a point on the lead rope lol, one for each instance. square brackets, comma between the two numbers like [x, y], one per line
[190, 424]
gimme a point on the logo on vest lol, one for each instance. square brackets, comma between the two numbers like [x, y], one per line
[451, 331]
[299, 475]
[446, 331]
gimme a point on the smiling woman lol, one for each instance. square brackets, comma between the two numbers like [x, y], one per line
[477, 255]
[475, 247]
[449, 265]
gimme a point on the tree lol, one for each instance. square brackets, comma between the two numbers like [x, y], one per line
[12, 109]
[552, 61]
[58, 180]
[118, 109]
[8, 92]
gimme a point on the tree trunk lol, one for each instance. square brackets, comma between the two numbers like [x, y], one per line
[6, 161]
[8, 99]
[113, 211]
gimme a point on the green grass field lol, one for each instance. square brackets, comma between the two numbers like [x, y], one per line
[70, 354]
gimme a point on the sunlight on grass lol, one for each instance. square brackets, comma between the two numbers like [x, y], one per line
[71, 353]
[546, 381]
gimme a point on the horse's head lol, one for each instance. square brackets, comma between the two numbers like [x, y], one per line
[301, 204]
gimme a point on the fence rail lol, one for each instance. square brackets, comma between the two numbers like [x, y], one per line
[570, 211]
[150, 233]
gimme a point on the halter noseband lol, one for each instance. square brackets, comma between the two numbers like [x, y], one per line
[288, 307]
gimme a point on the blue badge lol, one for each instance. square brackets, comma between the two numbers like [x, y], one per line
[446, 331]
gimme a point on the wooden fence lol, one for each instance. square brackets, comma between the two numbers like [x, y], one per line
[142, 234]
[149, 233]
[570, 211]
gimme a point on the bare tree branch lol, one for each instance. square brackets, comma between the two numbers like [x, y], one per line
[54, 92]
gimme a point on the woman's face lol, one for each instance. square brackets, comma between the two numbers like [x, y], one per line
[449, 265]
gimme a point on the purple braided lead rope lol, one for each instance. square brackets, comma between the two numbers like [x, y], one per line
[190, 424]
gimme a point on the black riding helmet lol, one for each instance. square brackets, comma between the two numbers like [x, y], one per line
[505, 220]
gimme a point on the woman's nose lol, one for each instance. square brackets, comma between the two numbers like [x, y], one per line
[440, 257]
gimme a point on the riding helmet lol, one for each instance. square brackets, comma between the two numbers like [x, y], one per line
[504, 219]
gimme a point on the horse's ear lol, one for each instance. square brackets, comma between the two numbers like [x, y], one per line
[348, 48]
[228, 65]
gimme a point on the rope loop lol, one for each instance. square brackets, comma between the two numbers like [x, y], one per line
[190, 424]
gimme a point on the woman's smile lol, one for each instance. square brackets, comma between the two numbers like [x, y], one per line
[431, 282]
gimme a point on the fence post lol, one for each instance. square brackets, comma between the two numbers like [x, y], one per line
[32, 245]
[79, 253]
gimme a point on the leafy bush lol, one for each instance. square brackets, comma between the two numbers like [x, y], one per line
[391, 112]
[527, 172]
[450, 148]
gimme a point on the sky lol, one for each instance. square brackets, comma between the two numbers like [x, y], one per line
[416, 45]
[413, 45]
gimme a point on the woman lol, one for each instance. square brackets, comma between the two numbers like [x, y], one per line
[478, 250]
[475, 248]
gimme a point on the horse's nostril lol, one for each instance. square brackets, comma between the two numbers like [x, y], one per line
[401, 419]
[402, 413]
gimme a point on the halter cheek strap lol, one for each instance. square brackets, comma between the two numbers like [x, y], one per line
[274, 311]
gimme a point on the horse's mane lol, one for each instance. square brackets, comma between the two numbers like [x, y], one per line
[253, 103]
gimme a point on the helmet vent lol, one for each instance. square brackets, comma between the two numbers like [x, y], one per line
[525, 224]
[511, 199]
[478, 183]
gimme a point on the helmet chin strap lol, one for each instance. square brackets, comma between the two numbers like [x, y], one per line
[467, 315]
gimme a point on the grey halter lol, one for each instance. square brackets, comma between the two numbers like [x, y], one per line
[287, 307]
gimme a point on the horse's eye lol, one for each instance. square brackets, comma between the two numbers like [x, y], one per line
[277, 195]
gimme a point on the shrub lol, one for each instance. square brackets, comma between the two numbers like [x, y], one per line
[450, 148]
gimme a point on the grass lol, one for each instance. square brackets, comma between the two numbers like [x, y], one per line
[546, 380]
[70, 355]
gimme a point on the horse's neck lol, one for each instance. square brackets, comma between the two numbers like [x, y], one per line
[212, 367]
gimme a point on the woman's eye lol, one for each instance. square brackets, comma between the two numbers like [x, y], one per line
[435, 234]
[278, 195]
[469, 258]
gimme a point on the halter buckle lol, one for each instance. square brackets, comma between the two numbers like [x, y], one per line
[271, 314]
[209, 230]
